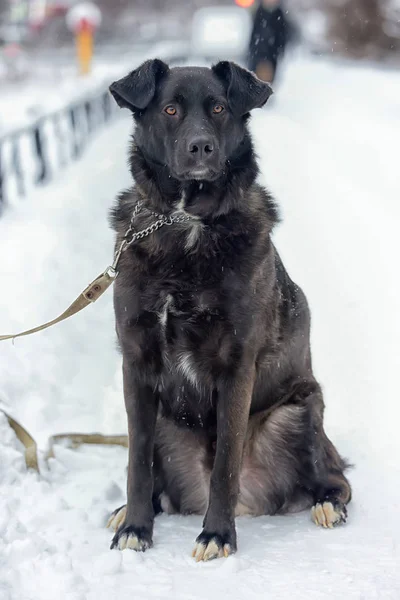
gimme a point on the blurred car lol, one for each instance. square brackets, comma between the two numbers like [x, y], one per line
[221, 32]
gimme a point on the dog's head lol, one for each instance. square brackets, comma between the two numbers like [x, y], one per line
[190, 119]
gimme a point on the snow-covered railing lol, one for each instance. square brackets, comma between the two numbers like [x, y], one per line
[32, 155]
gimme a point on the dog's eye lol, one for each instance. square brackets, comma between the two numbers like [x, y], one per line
[170, 110]
[218, 108]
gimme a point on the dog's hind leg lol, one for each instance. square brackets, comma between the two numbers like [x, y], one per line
[331, 489]
[289, 464]
[183, 468]
[321, 466]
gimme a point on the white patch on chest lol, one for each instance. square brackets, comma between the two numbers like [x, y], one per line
[184, 363]
[163, 315]
[194, 226]
[185, 366]
[180, 207]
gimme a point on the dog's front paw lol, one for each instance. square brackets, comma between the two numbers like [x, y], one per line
[135, 538]
[213, 545]
[329, 514]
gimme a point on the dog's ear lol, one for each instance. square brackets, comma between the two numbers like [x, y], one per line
[136, 90]
[244, 90]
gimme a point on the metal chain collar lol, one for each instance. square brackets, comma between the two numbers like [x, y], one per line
[132, 236]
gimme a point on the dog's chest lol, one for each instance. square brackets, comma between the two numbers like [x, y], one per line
[165, 312]
[182, 312]
[188, 325]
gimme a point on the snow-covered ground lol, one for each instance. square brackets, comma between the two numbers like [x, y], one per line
[329, 151]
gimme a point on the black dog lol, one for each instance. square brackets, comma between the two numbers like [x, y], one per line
[224, 414]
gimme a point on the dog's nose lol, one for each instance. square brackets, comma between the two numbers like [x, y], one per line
[201, 148]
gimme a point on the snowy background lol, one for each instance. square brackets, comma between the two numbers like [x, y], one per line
[328, 145]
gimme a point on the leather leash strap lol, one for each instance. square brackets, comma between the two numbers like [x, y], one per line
[97, 288]
[28, 442]
[79, 439]
[74, 440]
[92, 293]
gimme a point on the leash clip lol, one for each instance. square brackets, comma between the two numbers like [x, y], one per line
[111, 271]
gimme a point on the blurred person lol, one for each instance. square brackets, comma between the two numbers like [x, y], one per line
[271, 32]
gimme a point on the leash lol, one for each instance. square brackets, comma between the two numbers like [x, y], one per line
[92, 293]
[89, 295]
[31, 459]
[75, 440]
[99, 285]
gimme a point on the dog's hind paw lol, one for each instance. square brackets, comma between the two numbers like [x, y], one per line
[133, 538]
[329, 514]
[117, 518]
[210, 547]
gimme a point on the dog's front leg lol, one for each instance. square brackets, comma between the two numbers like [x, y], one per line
[141, 406]
[218, 537]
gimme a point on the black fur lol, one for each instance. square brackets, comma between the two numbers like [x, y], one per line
[218, 381]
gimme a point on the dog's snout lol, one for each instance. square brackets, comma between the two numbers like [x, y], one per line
[201, 147]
